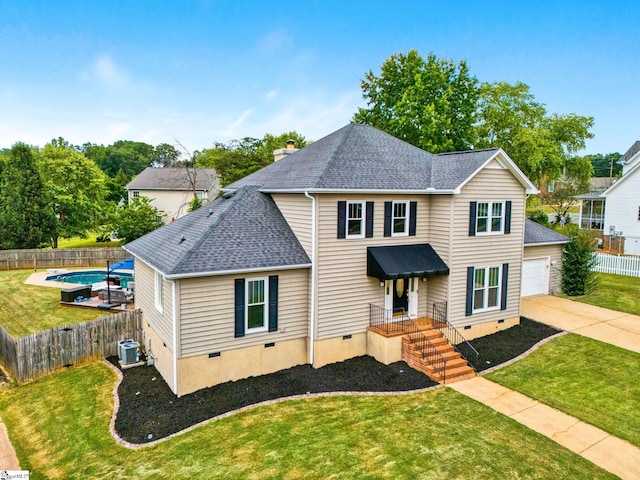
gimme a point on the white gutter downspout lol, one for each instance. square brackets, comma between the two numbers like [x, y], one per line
[174, 314]
[312, 296]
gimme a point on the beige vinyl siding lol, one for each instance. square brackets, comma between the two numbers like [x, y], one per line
[490, 184]
[207, 312]
[554, 252]
[441, 212]
[344, 291]
[162, 323]
[296, 209]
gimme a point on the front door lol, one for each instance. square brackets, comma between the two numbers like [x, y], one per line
[400, 295]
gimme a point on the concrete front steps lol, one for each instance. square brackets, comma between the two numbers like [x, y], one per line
[456, 368]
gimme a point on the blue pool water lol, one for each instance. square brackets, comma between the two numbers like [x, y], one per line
[86, 277]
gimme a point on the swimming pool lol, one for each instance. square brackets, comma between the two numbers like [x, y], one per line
[86, 277]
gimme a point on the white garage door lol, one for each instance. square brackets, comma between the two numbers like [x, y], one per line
[535, 277]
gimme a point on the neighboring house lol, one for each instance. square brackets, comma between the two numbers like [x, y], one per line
[615, 212]
[542, 263]
[172, 189]
[291, 263]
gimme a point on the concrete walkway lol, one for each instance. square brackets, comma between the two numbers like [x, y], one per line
[617, 328]
[8, 458]
[608, 452]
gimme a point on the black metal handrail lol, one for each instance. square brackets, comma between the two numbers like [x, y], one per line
[455, 338]
[388, 320]
[427, 349]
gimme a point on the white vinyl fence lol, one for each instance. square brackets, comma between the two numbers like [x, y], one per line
[618, 265]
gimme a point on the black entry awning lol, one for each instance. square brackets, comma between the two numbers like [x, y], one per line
[404, 261]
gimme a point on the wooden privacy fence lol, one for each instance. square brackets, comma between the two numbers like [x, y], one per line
[35, 355]
[61, 257]
[617, 264]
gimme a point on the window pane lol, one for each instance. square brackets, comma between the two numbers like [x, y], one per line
[482, 225]
[496, 210]
[354, 227]
[479, 278]
[355, 210]
[478, 299]
[493, 297]
[256, 292]
[494, 275]
[496, 224]
[255, 316]
[398, 225]
[483, 210]
[399, 210]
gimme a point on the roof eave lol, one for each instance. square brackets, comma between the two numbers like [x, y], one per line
[178, 276]
[361, 191]
[544, 244]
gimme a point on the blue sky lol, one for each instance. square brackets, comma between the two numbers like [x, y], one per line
[205, 71]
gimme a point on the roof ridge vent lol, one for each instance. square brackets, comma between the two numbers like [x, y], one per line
[227, 195]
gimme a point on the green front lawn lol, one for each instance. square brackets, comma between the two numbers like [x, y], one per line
[26, 309]
[591, 380]
[59, 426]
[616, 292]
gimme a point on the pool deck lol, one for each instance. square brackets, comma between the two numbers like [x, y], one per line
[40, 279]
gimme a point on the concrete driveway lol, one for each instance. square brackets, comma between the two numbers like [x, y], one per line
[616, 328]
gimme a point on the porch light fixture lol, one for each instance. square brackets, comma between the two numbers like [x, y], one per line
[382, 283]
[424, 279]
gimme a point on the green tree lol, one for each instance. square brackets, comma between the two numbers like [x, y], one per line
[166, 155]
[606, 165]
[578, 278]
[540, 143]
[136, 219]
[238, 158]
[76, 187]
[126, 155]
[430, 103]
[26, 217]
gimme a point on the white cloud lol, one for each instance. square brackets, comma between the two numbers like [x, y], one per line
[105, 71]
[271, 95]
[274, 41]
[230, 131]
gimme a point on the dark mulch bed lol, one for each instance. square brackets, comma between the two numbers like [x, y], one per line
[502, 346]
[149, 410]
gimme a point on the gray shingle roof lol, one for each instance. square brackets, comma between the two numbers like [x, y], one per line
[360, 157]
[242, 231]
[173, 179]
[633, 149]
[536, 234]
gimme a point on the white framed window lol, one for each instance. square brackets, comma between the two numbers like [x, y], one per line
[199, 195]
[256, 308]
[490, 218]
[400, 219]
[157, 290]
[355, 220]
[487, 283]
[135, 194]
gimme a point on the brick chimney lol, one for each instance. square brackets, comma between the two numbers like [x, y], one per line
[280, 153]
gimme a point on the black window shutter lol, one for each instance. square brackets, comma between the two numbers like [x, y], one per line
[387, 218]
[342, 219]
[369, 220]
[239, 310]
[273, 303]
[473, 209]
[505, 281]
[469, 306]
[507, 217]
[413, 213]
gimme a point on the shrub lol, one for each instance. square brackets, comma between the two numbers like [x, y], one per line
[578, 278]
[538, 216]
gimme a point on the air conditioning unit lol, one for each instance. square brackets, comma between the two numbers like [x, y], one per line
[130, 353]
[122, 343]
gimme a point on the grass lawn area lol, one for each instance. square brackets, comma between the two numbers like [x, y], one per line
[616, 292]
[591, 380]
[89, 242]
[59, 427]
[26, 309]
